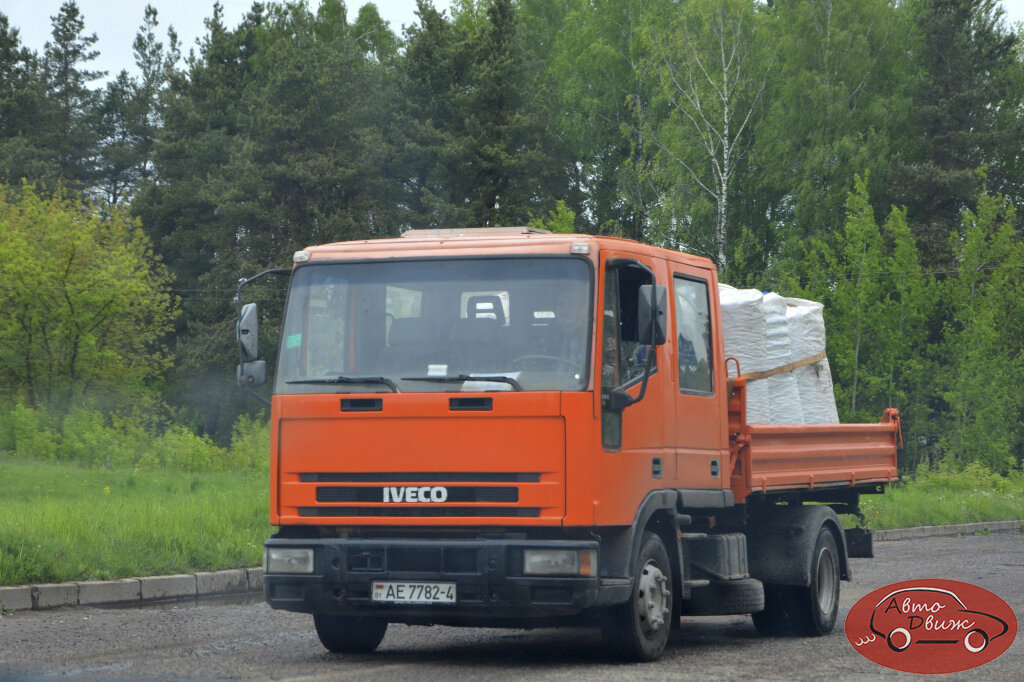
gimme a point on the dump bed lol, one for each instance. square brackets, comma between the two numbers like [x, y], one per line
[781, 457]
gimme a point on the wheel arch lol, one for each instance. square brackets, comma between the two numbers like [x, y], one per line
[788, 531]
[619, 547]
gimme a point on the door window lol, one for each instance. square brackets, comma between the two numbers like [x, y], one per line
[693, 336]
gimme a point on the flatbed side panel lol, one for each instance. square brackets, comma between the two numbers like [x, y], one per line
[809, 456]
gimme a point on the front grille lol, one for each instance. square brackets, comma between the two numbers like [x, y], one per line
[433, 511]
[375, 494]
[420, 477]
[433, 559]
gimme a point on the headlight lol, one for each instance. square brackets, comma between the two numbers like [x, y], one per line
[560, 562]
[285, 560]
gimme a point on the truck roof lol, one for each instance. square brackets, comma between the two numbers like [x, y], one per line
[487, 241]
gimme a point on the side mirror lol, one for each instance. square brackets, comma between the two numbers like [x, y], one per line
[247, 331]
[651, 308]
[252, 374]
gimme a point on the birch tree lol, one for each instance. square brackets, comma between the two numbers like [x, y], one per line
[713, 64]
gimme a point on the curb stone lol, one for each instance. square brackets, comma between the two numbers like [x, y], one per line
[158, 587]
[53, 595]
[132, 590]
[222, 582]
[249, 580]
[947, 531]
[16, 598]
[109, 591]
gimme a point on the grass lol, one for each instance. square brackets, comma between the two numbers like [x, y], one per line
[64, 522]
[936, 498]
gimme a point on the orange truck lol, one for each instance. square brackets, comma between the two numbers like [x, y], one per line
[510, 428]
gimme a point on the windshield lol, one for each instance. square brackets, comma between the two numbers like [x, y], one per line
[459, 324]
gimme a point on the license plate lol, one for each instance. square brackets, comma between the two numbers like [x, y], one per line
[414, 593]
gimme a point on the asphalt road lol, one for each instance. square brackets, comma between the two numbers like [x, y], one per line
[250, 641]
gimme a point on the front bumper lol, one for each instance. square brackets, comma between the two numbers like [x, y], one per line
[487, 573]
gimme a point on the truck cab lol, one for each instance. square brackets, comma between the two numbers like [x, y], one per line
[514, 428]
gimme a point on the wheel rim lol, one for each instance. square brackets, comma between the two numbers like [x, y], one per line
[653, 598]
[826, 581]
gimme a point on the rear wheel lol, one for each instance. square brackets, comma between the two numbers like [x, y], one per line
[349, 635]
[814, 608]
[640, 627]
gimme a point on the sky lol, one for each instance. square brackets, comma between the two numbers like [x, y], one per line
[115, 22]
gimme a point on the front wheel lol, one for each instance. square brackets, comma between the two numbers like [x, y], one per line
[814, 608]
[349, 635]
[640, 627]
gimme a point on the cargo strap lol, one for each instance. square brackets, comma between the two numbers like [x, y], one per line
[754, 376]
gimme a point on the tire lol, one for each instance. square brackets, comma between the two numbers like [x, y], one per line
[349, 635]
[773, 620]
[725, 598]
[814, 608]
[639, 628]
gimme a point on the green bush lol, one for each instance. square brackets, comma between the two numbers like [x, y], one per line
[89, 438]
[971, 477]
[250, 444]
[29, 433]
[179, 448]
[947, 495]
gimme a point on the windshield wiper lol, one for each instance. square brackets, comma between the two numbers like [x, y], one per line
[459, 378]
[384, 381]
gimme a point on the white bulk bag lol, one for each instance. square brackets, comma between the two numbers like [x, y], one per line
[765, 332]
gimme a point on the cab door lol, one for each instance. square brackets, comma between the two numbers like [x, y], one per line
[700, 429]
[636, 442]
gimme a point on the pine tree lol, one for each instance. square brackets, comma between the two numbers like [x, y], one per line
[24, 113]
[857, 324]
[73, 137]
[966, 58]
[983, 346]
[427, 77]
[497, 144]
[130, 114]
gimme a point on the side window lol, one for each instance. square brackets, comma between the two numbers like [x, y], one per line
[693, 336]
[623, 353]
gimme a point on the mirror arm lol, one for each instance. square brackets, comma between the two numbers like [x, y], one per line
[244, 282]
[651, 350]
[253, 394]
[619, 399]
